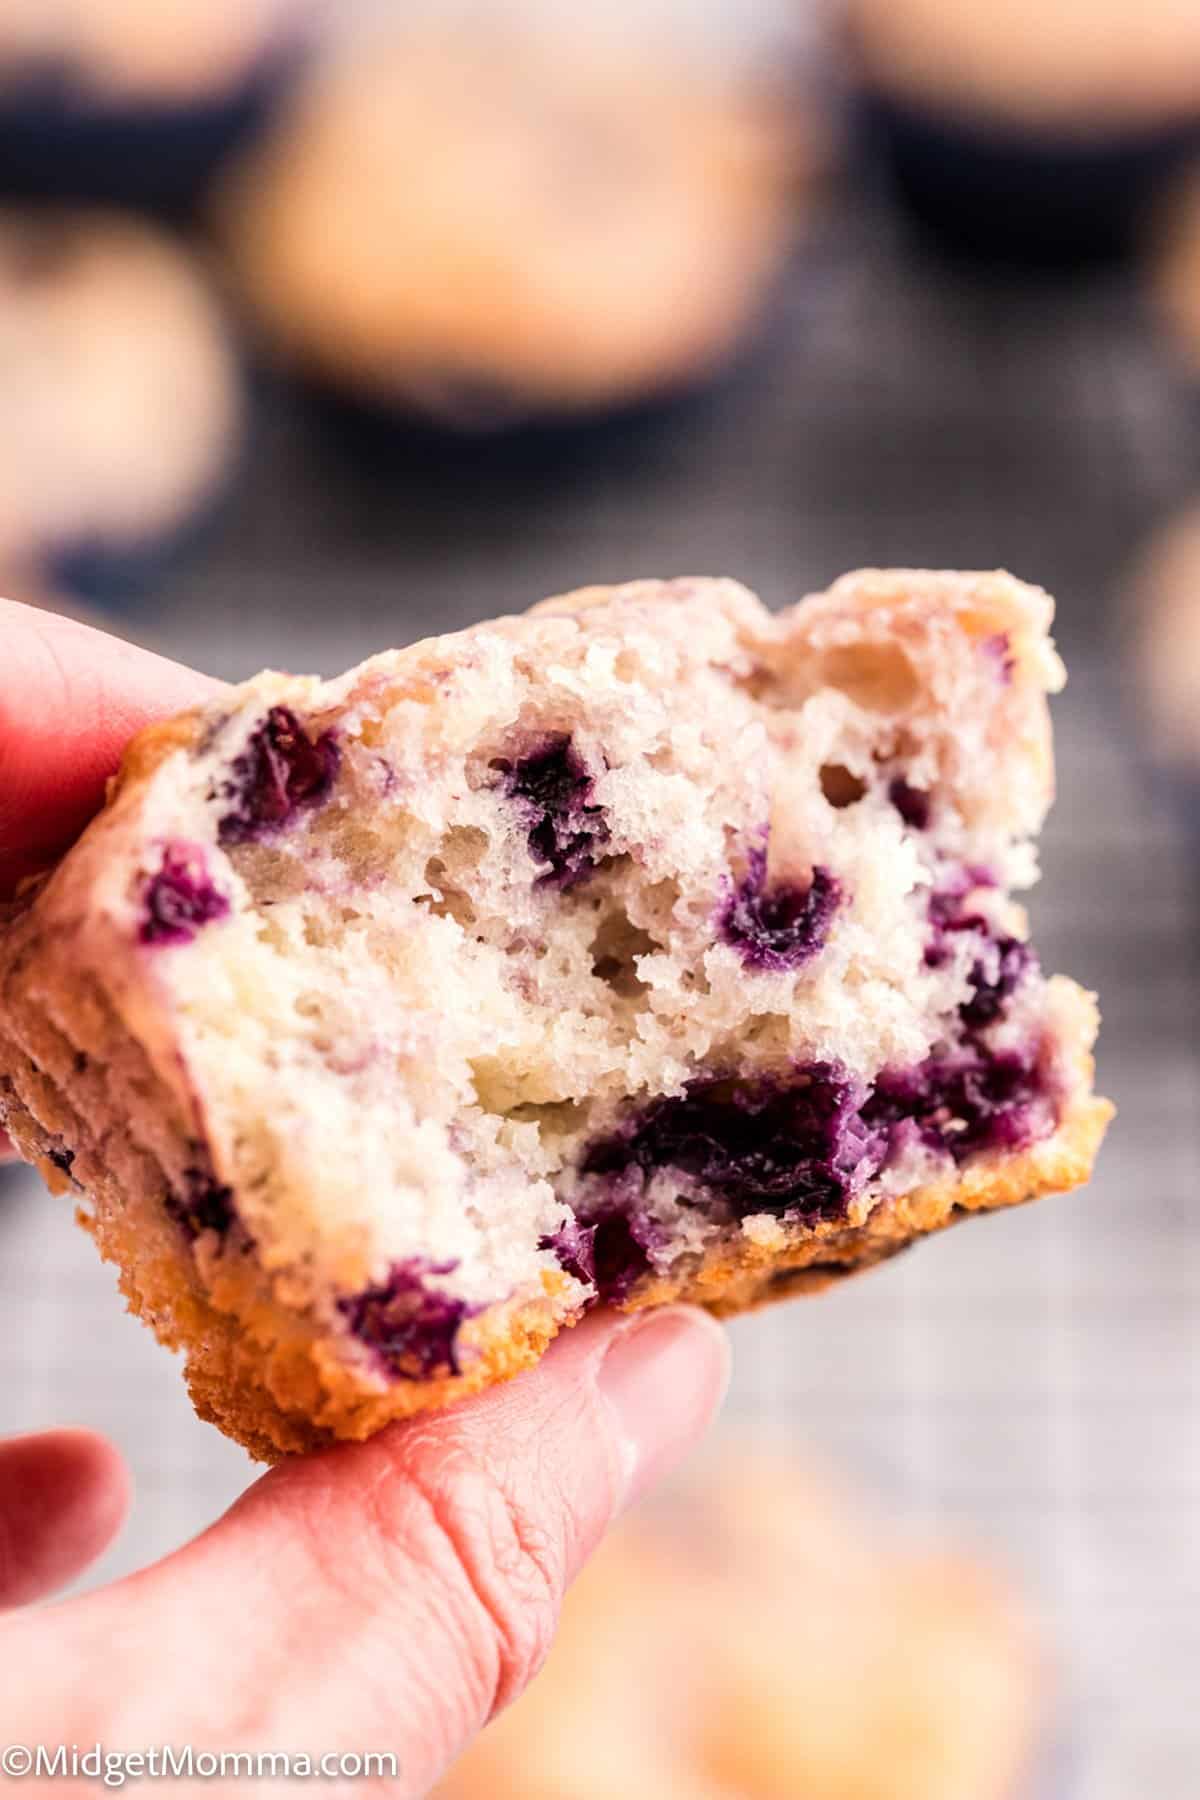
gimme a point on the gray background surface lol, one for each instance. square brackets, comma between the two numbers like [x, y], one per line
[1033, 1382]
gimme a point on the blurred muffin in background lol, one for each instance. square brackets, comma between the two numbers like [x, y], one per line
[509, 220]
[137, 101]
[759, 1640]
[1175, 271]
[1035, 131]
[122, 400]
[1164, 624]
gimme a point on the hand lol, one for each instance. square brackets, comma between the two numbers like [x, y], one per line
[387, 1596]
[70, 700]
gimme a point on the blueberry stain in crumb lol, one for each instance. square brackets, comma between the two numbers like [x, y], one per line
[913, 804]
[973, 1100]
[281, 772]
[782, 926]
[203, 1204]
[1001, 963]
[180, 897]
[409, 1324]
[566, 829]
[790, 1147]
[611, 1247]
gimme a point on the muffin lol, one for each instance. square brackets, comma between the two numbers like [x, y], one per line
[646, 947]
[137, 101]
[1164, 620]
[1030, 130]
[122, 399]
[1174, 271]
[510, 226]
[759, 1637]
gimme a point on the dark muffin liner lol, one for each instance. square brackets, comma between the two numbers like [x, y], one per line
[539, 443]
[123, 574]
[499, 439]
[115, 575]
[990, 194]
[1176, 789]
[56, 145]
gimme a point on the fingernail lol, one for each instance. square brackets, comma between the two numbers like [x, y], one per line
[664, 1376]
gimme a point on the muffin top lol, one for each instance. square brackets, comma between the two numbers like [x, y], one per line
[120, 386]
[1075, 66]
[467, 217]
[112, 52]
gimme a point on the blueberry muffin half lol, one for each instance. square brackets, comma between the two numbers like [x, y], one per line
[511, 224]
[1030, 130]
[811, 1654]
[138, 101]
[647, 946]
[122, 399]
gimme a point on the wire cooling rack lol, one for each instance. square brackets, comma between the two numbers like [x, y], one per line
[1030, 1383]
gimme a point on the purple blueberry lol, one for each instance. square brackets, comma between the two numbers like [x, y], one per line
[913, 804]
[999, 650]
[612, 1249]
[783, 926]
[974, 1099]
[1000, 969]
[575, 1247]
[410, 1325]
[799, 1149]
[946, 899]
[1001, 964]
[795, 1148]
[202, 1204]
[180, 897]
[280, 772]
[621, 1252]
[565, 828]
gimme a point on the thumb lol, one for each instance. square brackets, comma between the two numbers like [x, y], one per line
[63, 1496]
[389, 1596]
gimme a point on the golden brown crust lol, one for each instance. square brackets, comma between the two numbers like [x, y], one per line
[153, 744]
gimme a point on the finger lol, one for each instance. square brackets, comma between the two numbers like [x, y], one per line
[7, 1153]
[394, 1594]
[63, 1497]
[70, 700]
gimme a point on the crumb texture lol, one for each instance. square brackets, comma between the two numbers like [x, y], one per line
[647, 945]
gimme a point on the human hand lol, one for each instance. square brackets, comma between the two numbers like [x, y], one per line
[387, 1596]
[70, 700]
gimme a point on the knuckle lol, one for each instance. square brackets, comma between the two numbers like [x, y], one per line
[492, 1539]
